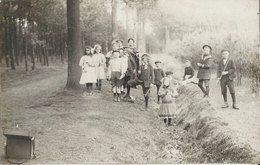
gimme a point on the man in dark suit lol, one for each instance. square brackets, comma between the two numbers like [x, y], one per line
[145, 78]
[226, 74]
[204, 73]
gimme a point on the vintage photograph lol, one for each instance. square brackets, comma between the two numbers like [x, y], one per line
[130, 81]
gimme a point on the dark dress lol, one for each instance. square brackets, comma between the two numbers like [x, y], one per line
[204, 72]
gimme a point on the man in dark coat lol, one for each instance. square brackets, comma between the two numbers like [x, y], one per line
[145, 78]
[131, 70]
[204, 73]
[226, 74]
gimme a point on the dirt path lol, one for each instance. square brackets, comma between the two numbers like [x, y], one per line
[72, 128]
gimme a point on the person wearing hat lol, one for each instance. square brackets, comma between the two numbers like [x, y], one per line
[158, 75]
[145, 77]
[135, 52]
[204, 73]
[226, 75]
[168, 93]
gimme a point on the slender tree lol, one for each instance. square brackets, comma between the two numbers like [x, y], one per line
[74, 44]
[114, 20]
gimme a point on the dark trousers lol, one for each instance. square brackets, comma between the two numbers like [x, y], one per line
[224, 82]
[158, 87]
[146, 90]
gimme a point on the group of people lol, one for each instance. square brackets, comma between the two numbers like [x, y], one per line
[225, 74]
[126, 70]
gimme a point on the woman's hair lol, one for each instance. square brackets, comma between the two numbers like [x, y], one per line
[87, 47]
[95, 48]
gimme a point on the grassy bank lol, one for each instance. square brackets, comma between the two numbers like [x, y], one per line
[206, 138]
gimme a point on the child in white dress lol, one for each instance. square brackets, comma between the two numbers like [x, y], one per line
[88, 76]
[99, 62]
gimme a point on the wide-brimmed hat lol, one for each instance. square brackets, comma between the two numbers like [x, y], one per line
[206, 46]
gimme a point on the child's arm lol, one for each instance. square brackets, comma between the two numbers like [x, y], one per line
[109, 71]
[174, 92]
[162, 92]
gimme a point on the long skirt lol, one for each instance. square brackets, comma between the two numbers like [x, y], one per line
[167, 110]
[100, 72]
[88, 76]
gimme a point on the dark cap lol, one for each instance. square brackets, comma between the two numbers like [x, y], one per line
[157, 62]
[206, 46]
[169, 73]
[144, 56]
[224, 50]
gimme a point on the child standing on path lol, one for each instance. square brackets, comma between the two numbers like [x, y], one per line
[226, 74]
[99, 61]
[168, 93]
[115, 74]
[204, 73]
[88, 71]
[158, 75]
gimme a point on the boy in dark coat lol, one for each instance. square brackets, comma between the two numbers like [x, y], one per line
[226, 74]
[145, 78]
[158, 75]
[204, 73]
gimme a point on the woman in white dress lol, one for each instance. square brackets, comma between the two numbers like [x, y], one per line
[99, 62]
[88, 76]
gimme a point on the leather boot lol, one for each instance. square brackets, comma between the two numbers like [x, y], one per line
[225, 105]
[169, 121]
[234, 101]
[146, 103]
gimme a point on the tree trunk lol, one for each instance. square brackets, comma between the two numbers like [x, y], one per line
[114, 20]
[127, 21]
[74, 44]
[135, 26]
[25, 54]
[166, 40]
[6, 43]
[33, 58]
[15, 42]
[11, 44]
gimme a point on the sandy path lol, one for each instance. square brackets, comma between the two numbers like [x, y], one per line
[72, 128]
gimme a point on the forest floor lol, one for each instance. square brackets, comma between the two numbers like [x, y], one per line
[72, 128]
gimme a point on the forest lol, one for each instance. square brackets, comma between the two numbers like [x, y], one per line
[34, 31]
